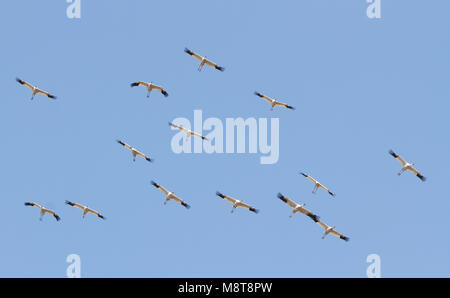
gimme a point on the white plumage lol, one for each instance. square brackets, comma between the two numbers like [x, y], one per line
[135, 152]
[188, 132]
[236, 203]
[203, 60]
[298, 208]
[274, 102]
[170, 195]
[85, 209]
[330, 230]
[406, 166]
[317, 184]
[43, 210]
[35, 90]
[150, 86]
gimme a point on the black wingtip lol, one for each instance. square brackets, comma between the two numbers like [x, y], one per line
[303, 174]
[254, 210]
[258, 94]
[220, 68]
[345, 238]
[154, 184]
[69, 203]
[28, 204]
[149, 159]
[19, 80]
[290, 107]
[57, 217]
[314, 217]
[393, 153]
[188, 51]
[219, 194]
[165, 93]
[281, 197]
[134, 84]
[332, 194]
[422, 177]
[187, 206]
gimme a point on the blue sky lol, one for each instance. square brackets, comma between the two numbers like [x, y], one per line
[361, 87]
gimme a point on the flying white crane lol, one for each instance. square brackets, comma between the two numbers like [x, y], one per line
[236, 203]
[35, 89]
[317, 184]
[170, 195]
[406, 166]
[274, 102]
[43, 210]
[331, 230]
[203, 61]
[188, 132]
[150, 86]
[85, 209]
[134, 151]
[298, 208]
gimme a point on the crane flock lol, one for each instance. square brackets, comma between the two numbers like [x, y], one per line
[296, 208]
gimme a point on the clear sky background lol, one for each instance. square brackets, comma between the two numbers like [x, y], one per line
[360, 86]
